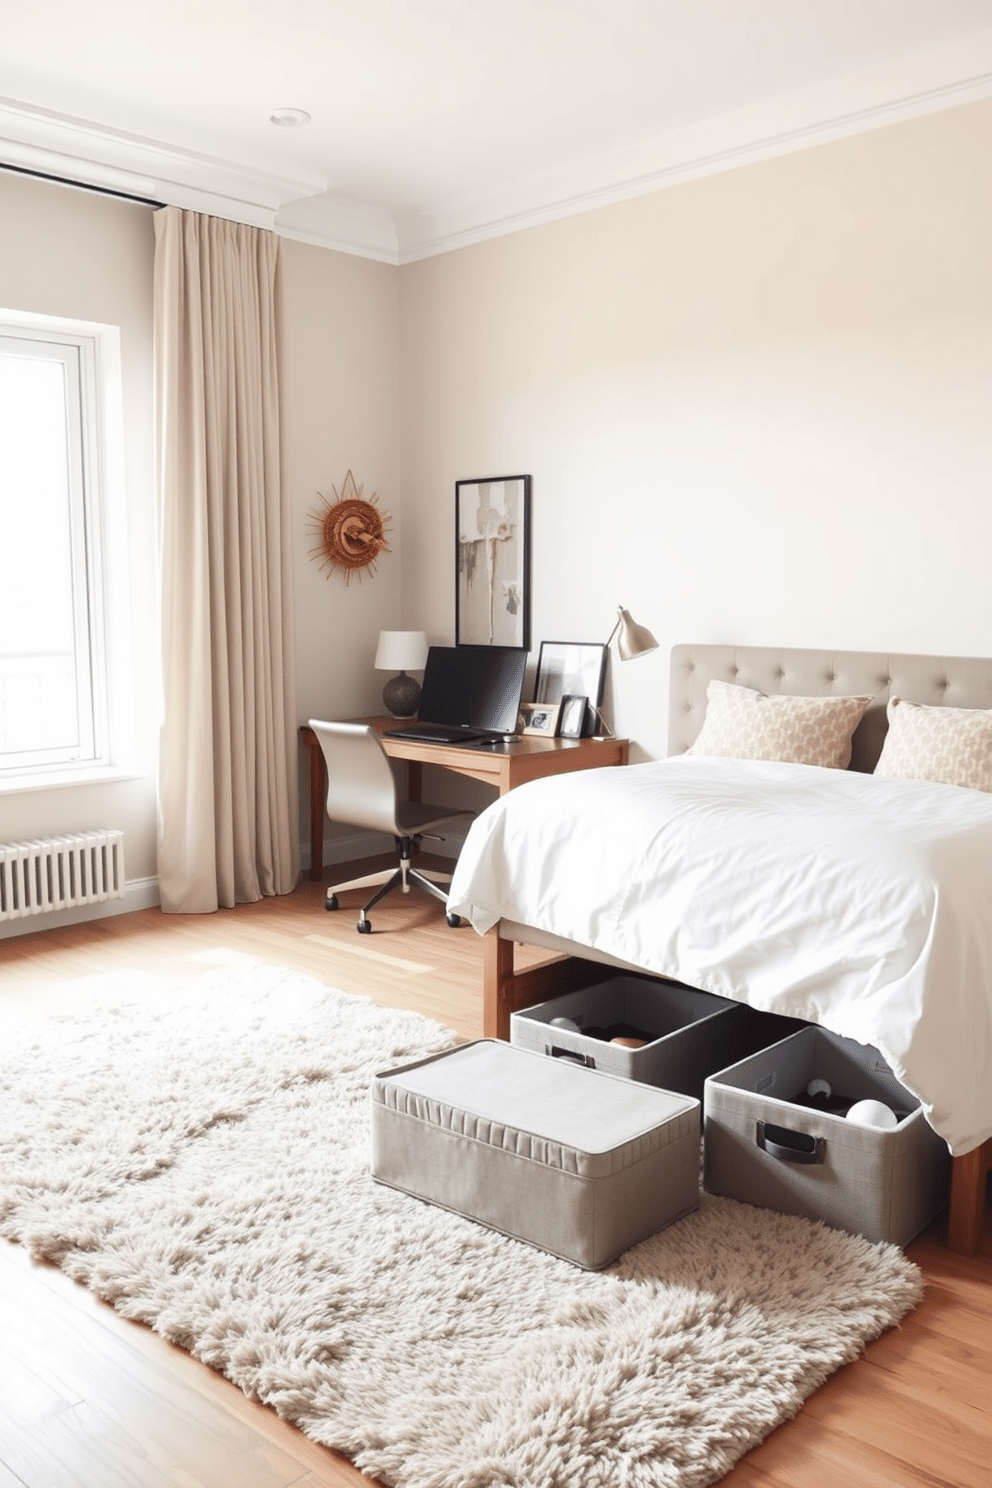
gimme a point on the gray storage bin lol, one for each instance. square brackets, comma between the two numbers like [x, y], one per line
[692, 1033]
[574, 1162]
[762, 1147]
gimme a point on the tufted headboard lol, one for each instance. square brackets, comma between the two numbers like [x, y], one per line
[951, 681]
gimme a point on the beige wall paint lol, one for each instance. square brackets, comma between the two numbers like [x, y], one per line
[342, 413]
[755, 407]
[66, 252]
[88, 257]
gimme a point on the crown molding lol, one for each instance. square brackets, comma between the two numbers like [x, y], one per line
[91, 154]
[944, 78]
[330, 221]
[300, 207]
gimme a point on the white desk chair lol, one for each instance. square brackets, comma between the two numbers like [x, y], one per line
[362, 790]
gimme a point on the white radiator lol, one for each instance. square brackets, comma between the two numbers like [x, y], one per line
[60, 872]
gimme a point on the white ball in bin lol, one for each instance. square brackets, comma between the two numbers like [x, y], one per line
[567, 1024]
[872, 1113]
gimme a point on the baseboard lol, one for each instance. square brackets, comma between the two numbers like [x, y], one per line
[139, 893]
[142, 893]
[347, 847]
[355, 847]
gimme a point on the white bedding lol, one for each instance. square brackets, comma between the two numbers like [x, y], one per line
[858, 903]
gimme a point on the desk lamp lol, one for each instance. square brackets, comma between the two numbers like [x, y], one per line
[633, 640]
[399, 651]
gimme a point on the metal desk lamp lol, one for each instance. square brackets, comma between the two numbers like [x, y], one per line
[632, 640]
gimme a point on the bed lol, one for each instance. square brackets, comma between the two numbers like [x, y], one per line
[897, 952]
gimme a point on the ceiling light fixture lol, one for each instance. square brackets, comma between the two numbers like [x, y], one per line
[289, 118]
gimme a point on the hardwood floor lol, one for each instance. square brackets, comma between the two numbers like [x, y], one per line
[89, 1400]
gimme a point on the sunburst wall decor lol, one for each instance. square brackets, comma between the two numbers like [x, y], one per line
[350, 531]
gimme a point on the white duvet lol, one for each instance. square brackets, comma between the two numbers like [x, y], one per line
[858, 903]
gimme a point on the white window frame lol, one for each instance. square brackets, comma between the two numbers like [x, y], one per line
[90, 351]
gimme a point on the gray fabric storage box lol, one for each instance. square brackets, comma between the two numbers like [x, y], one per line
[577, 1163]
[693, 1033]
[761, 1147]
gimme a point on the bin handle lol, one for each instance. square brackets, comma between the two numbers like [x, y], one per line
[790, 1146]
[571, 1054]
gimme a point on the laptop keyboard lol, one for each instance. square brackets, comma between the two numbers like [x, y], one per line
[432, 733]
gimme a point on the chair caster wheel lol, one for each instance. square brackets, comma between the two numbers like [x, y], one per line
[331, 902]
[453, 920]
[365, 927]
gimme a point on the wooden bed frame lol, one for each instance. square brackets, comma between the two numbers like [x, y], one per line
[962, 682]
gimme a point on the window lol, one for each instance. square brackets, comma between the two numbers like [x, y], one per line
[53, 467]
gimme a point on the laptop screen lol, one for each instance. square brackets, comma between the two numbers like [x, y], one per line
[475, 687]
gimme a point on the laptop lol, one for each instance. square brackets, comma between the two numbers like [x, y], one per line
[469, 693]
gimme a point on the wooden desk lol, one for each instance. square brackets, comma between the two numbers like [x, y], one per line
[506, 767]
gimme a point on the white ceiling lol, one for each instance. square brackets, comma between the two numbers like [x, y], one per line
[441, 122]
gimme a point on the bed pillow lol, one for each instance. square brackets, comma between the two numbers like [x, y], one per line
[741, 723]
[950, 745]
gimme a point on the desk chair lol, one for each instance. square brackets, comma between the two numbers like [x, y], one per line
[362, 790]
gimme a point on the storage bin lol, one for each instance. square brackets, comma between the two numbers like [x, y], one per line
[691, 1034]
[763, 1147]
[577, 1163]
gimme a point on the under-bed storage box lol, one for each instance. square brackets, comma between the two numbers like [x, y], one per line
[577, 1163]
[763, 1147]
[691, 1034]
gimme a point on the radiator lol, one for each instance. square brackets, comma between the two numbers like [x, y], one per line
[60, 872]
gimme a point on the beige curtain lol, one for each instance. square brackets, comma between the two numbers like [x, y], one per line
[227, 828]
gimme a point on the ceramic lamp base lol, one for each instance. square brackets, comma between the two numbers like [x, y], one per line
[401, 696]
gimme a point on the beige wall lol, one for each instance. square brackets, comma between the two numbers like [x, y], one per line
[755, 407]
[342, 412]
[72, 253]
[88, 257]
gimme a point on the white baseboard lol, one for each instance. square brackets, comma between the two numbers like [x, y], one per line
[142, 893]
[139, 893]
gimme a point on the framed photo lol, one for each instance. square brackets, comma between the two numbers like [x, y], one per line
[492, 561]
[540, 718]
[570, 669]
[573, 717]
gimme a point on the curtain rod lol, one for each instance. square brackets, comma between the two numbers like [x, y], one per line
[21, 170]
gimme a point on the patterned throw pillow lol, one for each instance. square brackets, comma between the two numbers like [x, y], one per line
[743, 724]
[952, 745]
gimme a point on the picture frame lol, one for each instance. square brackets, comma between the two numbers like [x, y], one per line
[572, 718]
[540, 719]
[570, 669]
[492, 561]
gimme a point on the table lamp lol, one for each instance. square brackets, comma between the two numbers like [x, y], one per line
[400, 651]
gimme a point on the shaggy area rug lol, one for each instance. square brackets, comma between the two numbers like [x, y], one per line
[203, 1165]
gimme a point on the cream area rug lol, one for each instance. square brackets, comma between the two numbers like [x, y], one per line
[202, 1163]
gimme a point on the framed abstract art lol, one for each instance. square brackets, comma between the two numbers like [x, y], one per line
[492, 572]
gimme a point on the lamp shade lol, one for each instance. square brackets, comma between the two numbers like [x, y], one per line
[632, 639]
[401, 651]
